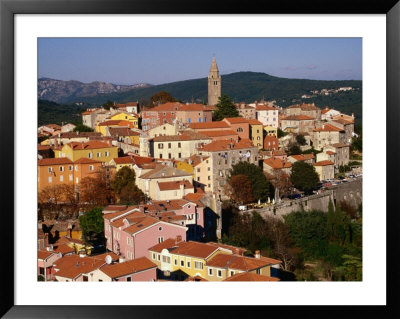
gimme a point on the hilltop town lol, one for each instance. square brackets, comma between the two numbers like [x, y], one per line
[174, 191]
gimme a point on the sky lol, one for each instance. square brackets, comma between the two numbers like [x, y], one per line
[165, 60]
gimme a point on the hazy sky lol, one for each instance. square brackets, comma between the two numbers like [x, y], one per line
[163, 60]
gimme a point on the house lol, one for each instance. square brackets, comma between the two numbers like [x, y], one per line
[267, 115]
[342, 153]
[222, 156]
[130, 107]
[328, 113]
[210, 126]
[325, 170]
[102, 127]
[91, 117]
[326, 134]
[46, 260]
[147, 182]
[215, 135]
[129, 117]
[308, 158]
[54, 172]
[271, 143]
[239, 125]
[68, 127]
[297, 123]
[273, 164]
[162, 130]
[68, 137]
[159, 115]
[140, 269]
[271, 131]
[347, 126]
[49, 129]
[256, 132]
[120, 162]
[130, 232]
[173, 190]
[84, 167]
[123, 134]
[196, 113]
[176, 146]
[246, 111]
[97, 150]
[309, 110]
[76, 267]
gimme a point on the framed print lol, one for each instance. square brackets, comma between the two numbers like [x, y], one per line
[39, 39]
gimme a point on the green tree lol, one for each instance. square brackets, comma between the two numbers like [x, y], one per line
[160, 98]
[225, 108]
[294, 149]
[125, 187]
[259, 183]
[82, 128]
[304, 177]
[107, 105]
[300, 139]
[281, 133]
[92, 224]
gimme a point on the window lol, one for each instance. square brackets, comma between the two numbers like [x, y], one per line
[76, 168]
[232, 272]
[198, 179]
[258, 271]
[160, 228]
[209, 185]
[166, 259]
[210, 272]
[209, 169]
[98, 154]
[70, 167]
[219, 273]
[71, 177]
[160, 146]
[91, 167]
[158, 257]
[50, 179]
[198, 265]
[198, 170]
[160, 239]
[209, 178]
[61, 178]
[169, 145]
[176, 261]
[107, 153]
[169, 155]
[153, 256]
[50, 169]
[187, 264]
[90, 155]
[239, 129]
[61, 168]
[160, 155]
[179, 144]
[100, 280]
[179, 155]
[77, 180]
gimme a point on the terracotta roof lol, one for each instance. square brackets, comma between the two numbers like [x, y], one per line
[43, 254]
[240, 262]
[167, 107]
[74, 265]
[235, 120]
[323, 163]
[114, 208]
[236, 250]
[166, 244]
[254, 122]
[163, 171]
[194, 249]
[110, 122]
[194, 197]
[68, 240]
[208, 125]
[84, 160]
[54, 161]
[127, 267]
[88, 145]
[325, 110]
[119, 212]
[219, 133]
[303, 157]
[123, 160]
[185, 136]
[330, 153]
[304, 107]
[224, 145]
[277, 163]
[250, 276]
[64, 249]
[122, 131]
[138, 160]
[265, 108]
[297, 118]
[133, 217]
[278, 153]
[77, 135]
[139, 225]
[43, 147]
[342, 121]
[114, 256]
[328, 128]
[175, 185]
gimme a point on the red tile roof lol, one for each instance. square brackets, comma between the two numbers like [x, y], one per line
[123, 160]
[225, 145]
[88, 145]
[208, 125]
[323, 163]
[194, 107]
[138, 160]
[303, 157]
[254, 122]
[219, 133]
[166, 244]
[74, 265]
[142, 224]
[250, 276]
[265, 108]
[84, 160]
[194, 249]
[328, 128]
[64, 249]
[44, 254]
[339, 145]
[174, 185]
[241, 262]
[54, 161]
[127, 267]
[236, 120]
[277, 163]
[297, 118]
[304, 107]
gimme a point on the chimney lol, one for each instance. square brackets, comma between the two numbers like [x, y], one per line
[178, 239]
[69, 230]
[257, 254]
[82, 253]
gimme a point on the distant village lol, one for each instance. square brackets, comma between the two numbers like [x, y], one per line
[166, 225]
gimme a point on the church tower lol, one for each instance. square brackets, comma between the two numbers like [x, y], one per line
[214, 84]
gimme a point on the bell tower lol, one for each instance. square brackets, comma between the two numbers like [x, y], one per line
[214, 84]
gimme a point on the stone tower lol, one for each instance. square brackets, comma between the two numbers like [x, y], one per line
[214, 84]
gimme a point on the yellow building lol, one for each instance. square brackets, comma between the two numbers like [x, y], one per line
[97, 150]
[120, 162]
[256, 133]
[126, 117]
[271, 131]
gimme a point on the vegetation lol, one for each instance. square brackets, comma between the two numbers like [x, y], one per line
[125, 187]
[160, 98]
[304, 177]
[225, 108]
[259, 184]
[83, 128]
[281, 133]
[107, 105]
[294, 149]
[92, 224]
[95, 191]
[239, 189]
[54, 113]
[300, 139]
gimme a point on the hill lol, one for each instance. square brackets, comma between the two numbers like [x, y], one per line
[52, 112]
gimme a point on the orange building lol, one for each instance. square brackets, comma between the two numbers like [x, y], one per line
[239, 125]
[84, 167]
[55, 171]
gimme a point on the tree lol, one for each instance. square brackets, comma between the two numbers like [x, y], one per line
[294, 149]
[259, 183]
[300, 139]
[107, 105]
[241, 191]
[95, 191]
[304, 177]
[92, 224]
[160, 98]
[225, 108]
[280, 181]
[125, 187]
[57, 194]
[281, 133]
[82, 128]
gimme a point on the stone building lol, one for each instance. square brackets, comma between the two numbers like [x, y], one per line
[214, 84]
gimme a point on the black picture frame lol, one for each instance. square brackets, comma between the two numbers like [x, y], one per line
[9, 8]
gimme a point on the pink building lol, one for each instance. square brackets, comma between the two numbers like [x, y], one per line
[239, 125]
[46, 261]
[130, 232]
[194, 113]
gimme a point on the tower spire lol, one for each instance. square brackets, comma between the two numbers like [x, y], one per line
[214, 83]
